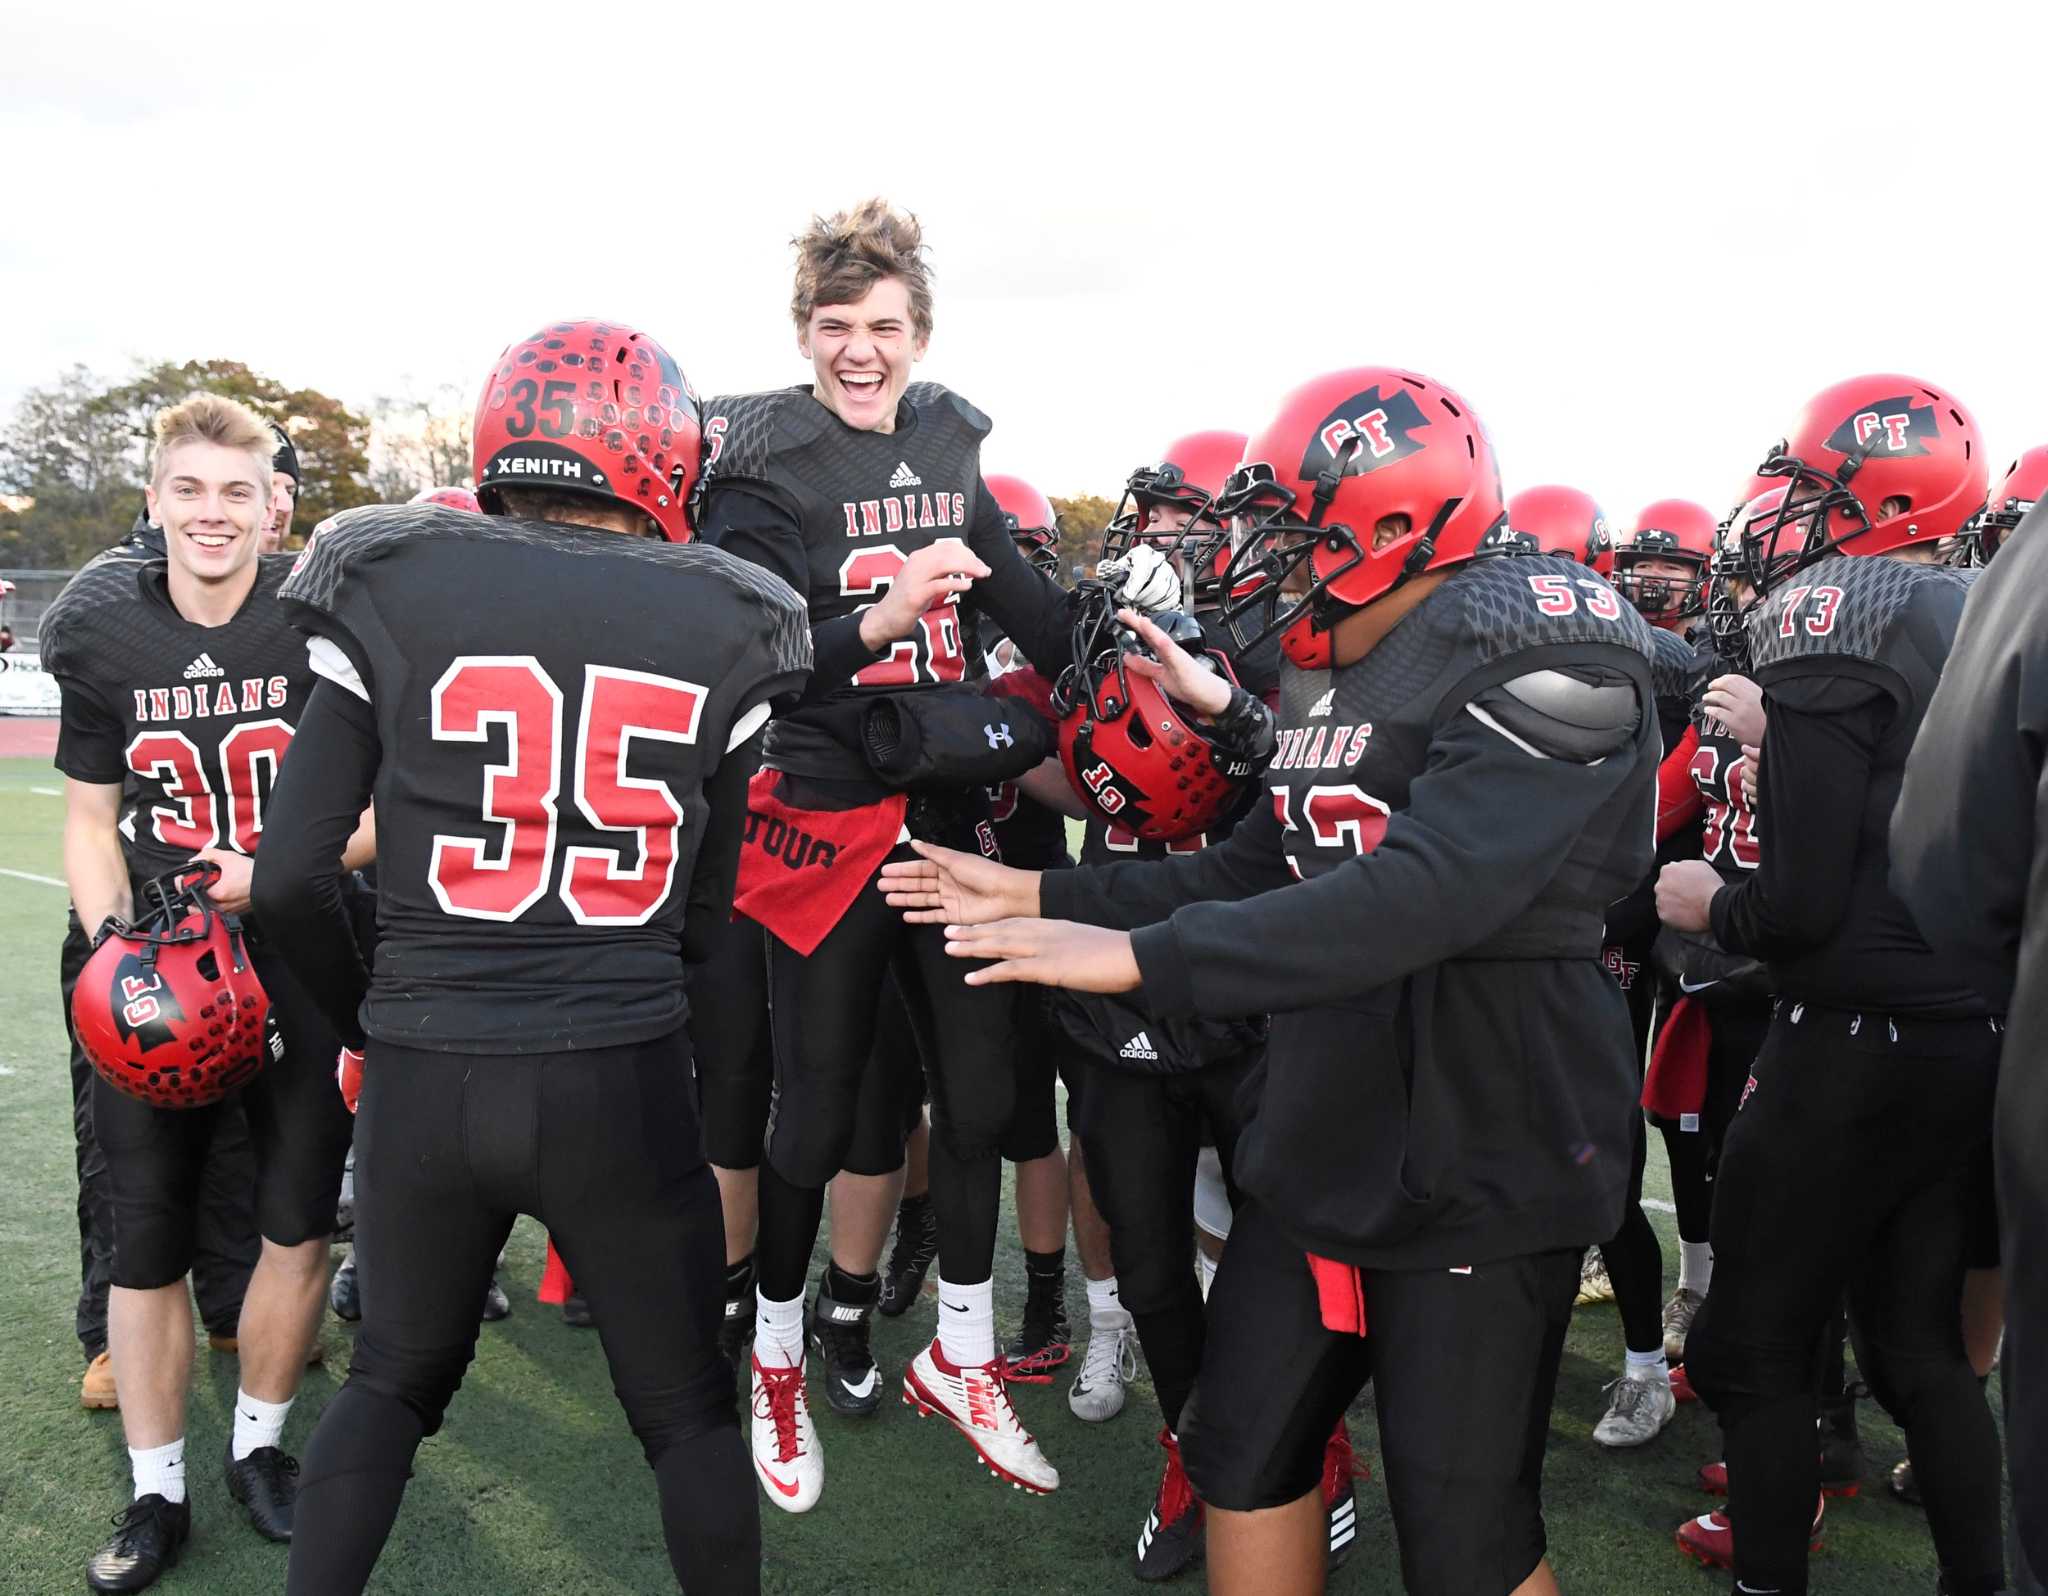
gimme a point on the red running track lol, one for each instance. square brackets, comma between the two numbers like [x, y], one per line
[28, 736]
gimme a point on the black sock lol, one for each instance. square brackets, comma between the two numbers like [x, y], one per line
[914, 1211]
[856, 1291]
[739, 1279]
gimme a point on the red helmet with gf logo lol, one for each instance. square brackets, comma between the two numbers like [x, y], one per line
[169, 1010]
[1553, 519]
[1187, 478]
[1032, 522]
[2023, 486]
[594, 408]
[1872, 465]
[1674, 530]
[1365, 478]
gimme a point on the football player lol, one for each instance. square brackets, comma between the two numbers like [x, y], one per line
[284, 491]
[1843, 1171]
[542, 700]
[1566, 522]
[863, 490]
[1444, 1124]
[2024, 484]
[182, 686]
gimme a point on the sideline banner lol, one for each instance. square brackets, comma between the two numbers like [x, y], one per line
[25, 687]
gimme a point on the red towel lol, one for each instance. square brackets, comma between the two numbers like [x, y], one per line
[1677, 1081]
[801, 869]
[1678, 795]
[555, 1284]
[1340, 1293]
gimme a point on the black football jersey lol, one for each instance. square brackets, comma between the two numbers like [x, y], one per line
[192, 720]
[1884, 626]
[550, 701]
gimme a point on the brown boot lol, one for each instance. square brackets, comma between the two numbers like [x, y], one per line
[97, 1389]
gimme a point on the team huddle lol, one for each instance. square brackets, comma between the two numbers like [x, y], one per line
[673, 830]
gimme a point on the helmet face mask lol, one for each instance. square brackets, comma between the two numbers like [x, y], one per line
[1673, 532]
[1185, 484]
[2024, 484]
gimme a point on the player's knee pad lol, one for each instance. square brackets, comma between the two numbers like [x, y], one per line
[1729, 1375]
[1910, 1384]
[425, 1379]
[668, 1417]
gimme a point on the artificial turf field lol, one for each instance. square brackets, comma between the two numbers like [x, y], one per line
[536, 1486]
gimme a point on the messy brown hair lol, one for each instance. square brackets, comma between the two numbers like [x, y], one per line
[839, 258]
[209, 418]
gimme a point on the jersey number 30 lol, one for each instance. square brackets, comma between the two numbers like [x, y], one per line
[501, 877]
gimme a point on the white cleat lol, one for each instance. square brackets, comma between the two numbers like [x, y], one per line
[1111, 1360]
[787, 1458]
[1637, 1410]
[975, 1402]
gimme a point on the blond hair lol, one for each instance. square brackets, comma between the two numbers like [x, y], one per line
[839, 258]
[209, 418]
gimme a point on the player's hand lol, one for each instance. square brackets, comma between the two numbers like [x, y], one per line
[1081, 958]
[935, 574]
[947, 887]
[1179, 673]
[348, 1075]
[1145, 579]
[1685, 894]
[1737, 703]
[1752, 758]
[230, 894]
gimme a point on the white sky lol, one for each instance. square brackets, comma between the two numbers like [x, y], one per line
[1635, 237]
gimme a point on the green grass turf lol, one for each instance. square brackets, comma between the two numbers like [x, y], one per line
[535, 1485]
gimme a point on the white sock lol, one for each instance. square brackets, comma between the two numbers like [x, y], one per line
[967, 1322]
[159, 1470]
[1205, 1272]
[1646, 1365]
[257, 1423]
[1104, 1305]
[778, 1331]
[1695, 1266]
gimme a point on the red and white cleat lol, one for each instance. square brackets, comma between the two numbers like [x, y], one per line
[1709, 1540]
[975, 1403]
[787, 1458]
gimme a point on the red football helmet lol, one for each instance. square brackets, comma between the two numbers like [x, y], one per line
[1032, 522]
[1188, 477]
[1563, 521]
[1134, 756]
[1873, 464]
[169, 1010]
[2024, 484]
[1732, 589]
[1671, 529]
[591, 407]
[1347, 452]
[451, 498]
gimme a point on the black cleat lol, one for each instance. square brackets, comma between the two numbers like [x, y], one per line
[496, 1304]
[266, 1482]
[1841, 1449]
[1902, 1484]
[1045, 1340]
[576, 1312]
[148, 1535]
[1172, 1537]
[839, 1330]
[344, 1295]
[917, 1244]
[736, 1330]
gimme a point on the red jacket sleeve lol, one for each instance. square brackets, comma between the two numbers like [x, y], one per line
[1678, 795]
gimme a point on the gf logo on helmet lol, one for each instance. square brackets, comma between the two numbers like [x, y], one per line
[1383, 424]
[144, 1005]
[1890, 426]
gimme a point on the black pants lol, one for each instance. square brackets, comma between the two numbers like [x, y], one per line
[603, 1147]
[1850, 1168]
[729, 1038]
[824, 1021]
[1635, 1262]
[1143, 1135]
[1694, 1145]
[1464, 1367]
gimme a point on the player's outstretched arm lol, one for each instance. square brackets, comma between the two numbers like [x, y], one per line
[948, 887]
[1081, 958]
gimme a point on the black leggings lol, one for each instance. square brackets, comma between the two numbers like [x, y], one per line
[729, 1037]
[603, 1148]
[824, 1020]
[1142, 1135]
[1849, 1168]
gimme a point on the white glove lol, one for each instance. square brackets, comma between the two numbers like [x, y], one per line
[1145, 578]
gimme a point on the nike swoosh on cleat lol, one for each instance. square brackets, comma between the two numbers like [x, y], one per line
[787, 1490]
[864, 1386]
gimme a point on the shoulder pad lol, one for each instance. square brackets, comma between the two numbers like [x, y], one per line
[932, 396]
[111, 577]
[740, 431]
[1514, 602]
[1674, 665]
[1848, 607]
[1582, 713]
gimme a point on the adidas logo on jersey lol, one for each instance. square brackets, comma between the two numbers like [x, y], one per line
[1323, 705]
[202, 666]
[1139, 1046]
[905, 477]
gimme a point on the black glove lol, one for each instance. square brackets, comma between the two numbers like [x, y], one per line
[953, 737]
